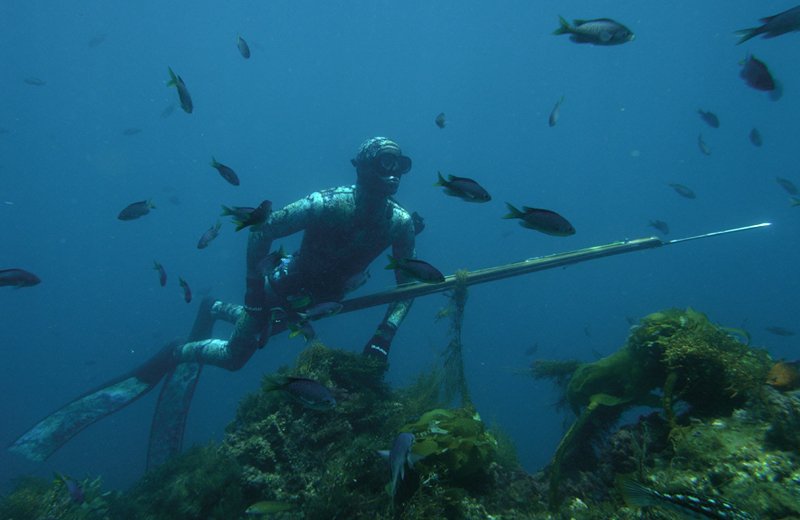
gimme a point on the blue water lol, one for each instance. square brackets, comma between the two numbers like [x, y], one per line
[323, 77]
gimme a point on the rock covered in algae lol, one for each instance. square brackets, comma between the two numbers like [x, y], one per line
[324, 464]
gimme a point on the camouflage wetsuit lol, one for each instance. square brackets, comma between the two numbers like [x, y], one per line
[345, 230]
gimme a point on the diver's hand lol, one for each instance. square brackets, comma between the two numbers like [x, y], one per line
[379, 344]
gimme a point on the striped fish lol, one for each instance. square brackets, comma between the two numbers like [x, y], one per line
[689, 506]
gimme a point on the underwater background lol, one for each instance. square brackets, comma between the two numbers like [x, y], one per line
[323, 77]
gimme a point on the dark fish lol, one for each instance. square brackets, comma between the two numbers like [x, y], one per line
[774, 25]
[237, 212]
[210, 234]
[419, 223]
[702, 145]
[440, 120]
[244, 49]
[544, 220]
[36, 82]
[756, 74]
[787, 185]
[131, 131]
[96, 40]
[320, 310]
[18, 278]
[136, 210]
[183, 93]
[399, 457]
[271, 261]
[795, 201]
[602, 31]
[356, 281]
[162, 273]
[307, 392]
[302, 328]
[533, 349]
[660, 225]
[682, 190]
[755, 137]
[416, 269]
[554, 114]
[168, 110]
[710, 118]
[74, 489]
[256, 217]
[463, 188]
[187, 291]
[779, 331]
[227, 173]
[686, 506]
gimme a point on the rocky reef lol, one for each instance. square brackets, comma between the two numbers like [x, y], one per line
[707, 426]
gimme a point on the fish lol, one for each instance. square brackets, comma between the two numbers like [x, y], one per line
[302, 328]
[308, 392]
[784, 375]
[271, 261]
[187, 291]
[440, 120]
[544, 220]
[463, 188]
[773, 26]
[131, 131]
[210, 234]
[779, 331]
[660, 225]
[256, 217]
[419, 223]
[787, 185]
[237, 212]
[710, 118]
[417, 269]
[399, 457]
[321, 310]
[227, 173]
[136, 209]
[601, 31]
[74, 489]
[755, 137]
[533, 349]
[639, 495]
[356, 281]
[682, 190]
[554, 114]
[96, 40]
[183, 93]
[702, 145]
[36, 82]
[794, 201]
[265, 507]
[162, 273]
[757, 75]
[168, 110]
[18, 278]
[244, 49]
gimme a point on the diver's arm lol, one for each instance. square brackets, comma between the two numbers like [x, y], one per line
[378, 346]
[284, 222]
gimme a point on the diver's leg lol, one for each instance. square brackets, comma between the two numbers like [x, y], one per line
[250, 333]
[56, 429]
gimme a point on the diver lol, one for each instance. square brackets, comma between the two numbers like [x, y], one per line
[345, 229]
